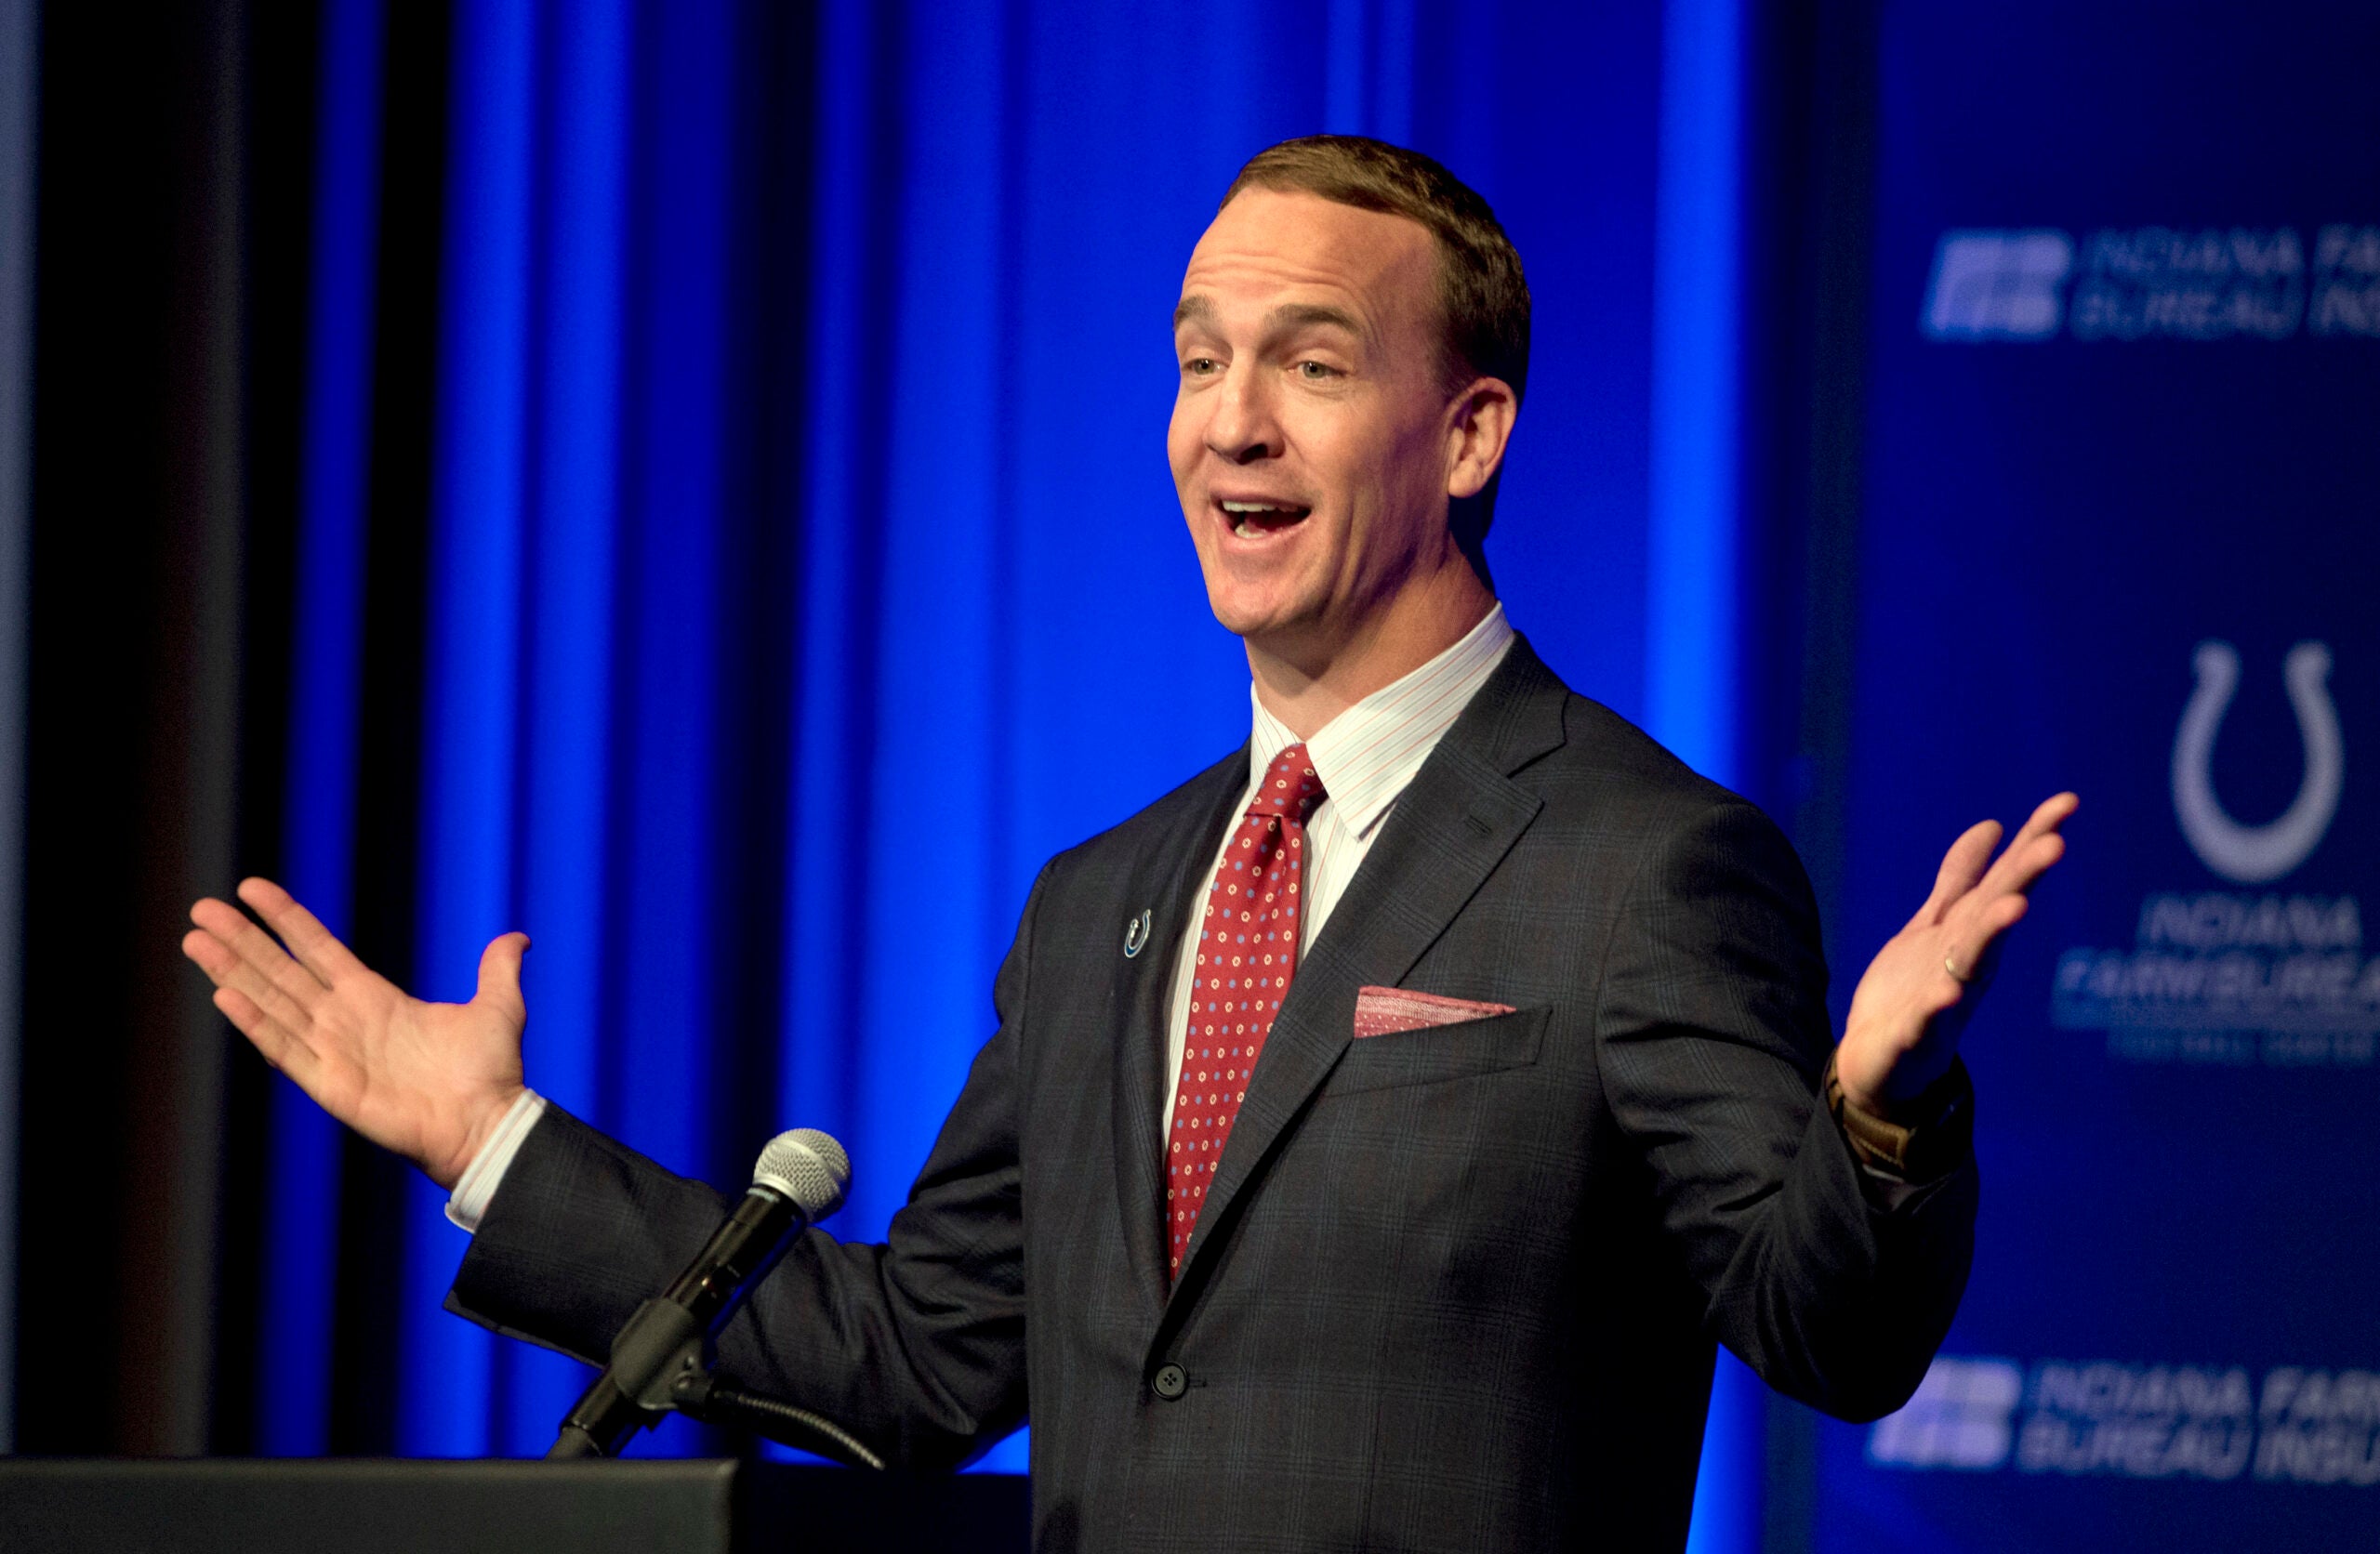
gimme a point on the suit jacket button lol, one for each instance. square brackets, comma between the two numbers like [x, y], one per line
[1169, 1382]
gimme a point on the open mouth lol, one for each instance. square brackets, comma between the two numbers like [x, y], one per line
[1254, 519]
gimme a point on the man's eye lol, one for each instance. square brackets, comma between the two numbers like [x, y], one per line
[1199, 366]
[1314, 371]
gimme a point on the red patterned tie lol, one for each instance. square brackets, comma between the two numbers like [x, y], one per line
[1247, 954]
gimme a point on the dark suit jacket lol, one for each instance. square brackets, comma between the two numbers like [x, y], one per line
[1452, 1288]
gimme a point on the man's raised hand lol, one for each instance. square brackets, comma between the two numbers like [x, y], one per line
[430, 1081]
[1917, 992]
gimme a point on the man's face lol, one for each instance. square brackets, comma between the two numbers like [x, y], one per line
[1310, 442]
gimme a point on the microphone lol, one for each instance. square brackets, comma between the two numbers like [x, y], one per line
[657, 1359]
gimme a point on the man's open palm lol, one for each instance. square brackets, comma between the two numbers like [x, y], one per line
[430, 1081]
[1917, 992]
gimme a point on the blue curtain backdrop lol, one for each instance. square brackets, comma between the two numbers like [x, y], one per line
[800, 514]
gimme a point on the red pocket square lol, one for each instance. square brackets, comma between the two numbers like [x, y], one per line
[1379, 1010]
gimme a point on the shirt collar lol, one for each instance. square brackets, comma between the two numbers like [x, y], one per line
[1368, 754]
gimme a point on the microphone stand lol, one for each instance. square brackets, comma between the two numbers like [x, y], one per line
[660, 1364]
[662, 1341]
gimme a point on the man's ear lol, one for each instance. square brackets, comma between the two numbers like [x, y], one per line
[1479, 425]
[1478, 431]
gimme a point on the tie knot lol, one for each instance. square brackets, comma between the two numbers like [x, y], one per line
[1290, 787]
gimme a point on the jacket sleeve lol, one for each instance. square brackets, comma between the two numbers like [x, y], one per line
[916, 1345]
[1712, 1030]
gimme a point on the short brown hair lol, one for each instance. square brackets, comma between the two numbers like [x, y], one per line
[1480, 285]
[1479, 272]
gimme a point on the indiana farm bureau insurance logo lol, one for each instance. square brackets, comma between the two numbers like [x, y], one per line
[2154, 283]
[2112, 1418]
[2254, 973]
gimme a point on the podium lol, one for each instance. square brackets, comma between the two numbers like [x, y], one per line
[366, 1506]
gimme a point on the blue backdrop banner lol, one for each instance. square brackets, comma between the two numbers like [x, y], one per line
[2121, 478]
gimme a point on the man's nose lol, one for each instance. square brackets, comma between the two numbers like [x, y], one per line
[1243, 428]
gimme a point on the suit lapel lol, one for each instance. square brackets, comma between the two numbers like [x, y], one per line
[1166, 880]
[1446, 835]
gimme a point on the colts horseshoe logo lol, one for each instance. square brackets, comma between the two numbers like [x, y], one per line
[1136, 934]
[2253, 854]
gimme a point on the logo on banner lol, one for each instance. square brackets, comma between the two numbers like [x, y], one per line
[2236, 977]
[2107, 1418]
[1998, 286]
[2258, 854]
[2154, 283]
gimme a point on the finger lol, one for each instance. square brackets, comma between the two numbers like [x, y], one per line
[2020, 868]
[273, 1041]
[227, 968]
[2053, 812]
[314, 946]
[1962, 867]
[263, 955]
[2044, 822]
[1975, 949]
[500, 975]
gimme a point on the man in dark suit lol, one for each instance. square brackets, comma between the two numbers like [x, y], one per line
[1381, 1127]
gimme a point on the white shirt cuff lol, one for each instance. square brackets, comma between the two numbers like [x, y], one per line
[485, 1173]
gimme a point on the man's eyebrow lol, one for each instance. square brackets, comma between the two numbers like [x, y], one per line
[1197, 308]
[1312, 315]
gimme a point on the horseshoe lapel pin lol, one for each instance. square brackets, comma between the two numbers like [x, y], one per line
[1136, 934]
